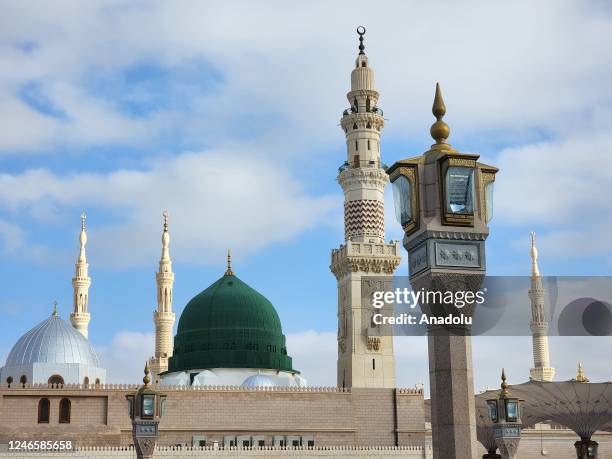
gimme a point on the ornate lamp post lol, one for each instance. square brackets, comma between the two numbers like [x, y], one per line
[505, 413]
[443, 200]
[146, 407]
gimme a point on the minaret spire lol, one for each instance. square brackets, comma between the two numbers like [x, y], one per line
[541, 371]
[365, 356]
[535, 271]
[80, 285]
[163, 316]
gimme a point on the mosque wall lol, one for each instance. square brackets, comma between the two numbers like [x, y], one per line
[324, 416]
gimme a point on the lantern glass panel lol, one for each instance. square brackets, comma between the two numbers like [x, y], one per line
[459, 187]
[402, 200]
[147, 405]
[489, 200]
[492, 410]
[512, 410]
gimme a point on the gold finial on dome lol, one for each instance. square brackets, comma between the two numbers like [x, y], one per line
[146, 380]
[229, 271]
[580, 377]
[55, 309]
[439, 130]
[83, 220]
[504, 385]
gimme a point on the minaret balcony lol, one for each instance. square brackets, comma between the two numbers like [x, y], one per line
[366, 257]
[372, 163]
[352, 120]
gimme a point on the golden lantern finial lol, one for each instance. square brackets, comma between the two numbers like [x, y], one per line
[229, 271]
[580, 377]
[439, 130]
[504, 385]
[146, 380]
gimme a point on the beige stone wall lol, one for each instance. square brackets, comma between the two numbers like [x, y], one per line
[332, 417]
[173, 453]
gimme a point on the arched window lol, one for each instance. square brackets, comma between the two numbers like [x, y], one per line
[367, 104]
[56, 380]
[23, 380]
[86, 380]
[97, 381]
[64, 411]
[43, 411]
[9, 380]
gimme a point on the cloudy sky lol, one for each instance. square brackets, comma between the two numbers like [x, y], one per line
[227, 114]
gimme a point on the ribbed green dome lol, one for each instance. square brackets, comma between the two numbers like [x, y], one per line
[229, 325]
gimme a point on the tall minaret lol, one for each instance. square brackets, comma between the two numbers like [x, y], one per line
[542, 370]
[365, 354]
[163, 316]
[80, 285]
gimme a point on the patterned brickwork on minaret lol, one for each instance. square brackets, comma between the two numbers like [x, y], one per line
[365, 355]
[541, 371]
[80, 285]
[163, 316]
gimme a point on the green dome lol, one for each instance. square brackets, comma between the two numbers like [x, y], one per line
[229, 325]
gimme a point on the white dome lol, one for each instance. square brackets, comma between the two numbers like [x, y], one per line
[52, 341]
[259, 380]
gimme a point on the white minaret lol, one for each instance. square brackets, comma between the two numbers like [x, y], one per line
[163, 316]
[542, 370]
[80, 285]
[365, 354]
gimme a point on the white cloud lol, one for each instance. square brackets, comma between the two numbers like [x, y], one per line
[11, 237]
[125, 357]
[314, 355]
[217, 199]
[564, 185]
[508, 75]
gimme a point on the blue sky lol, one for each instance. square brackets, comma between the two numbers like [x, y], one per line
[227, 116]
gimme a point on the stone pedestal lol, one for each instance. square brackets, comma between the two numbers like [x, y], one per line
[508, 447]
[453, 415]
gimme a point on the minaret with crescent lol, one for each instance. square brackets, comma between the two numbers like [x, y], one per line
[163, 316]
[365, 353]
[80, 284]
[541, 371]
